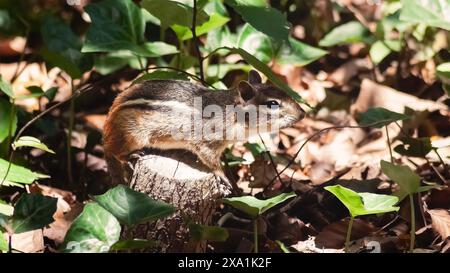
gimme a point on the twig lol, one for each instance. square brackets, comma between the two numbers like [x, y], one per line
[358, 16]
[389, 144]
[272, 162]
[196, 40]
[69, 135]
[29, 123]
[318, 133]
[18, 72]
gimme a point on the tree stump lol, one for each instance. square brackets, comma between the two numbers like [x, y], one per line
[178, 178]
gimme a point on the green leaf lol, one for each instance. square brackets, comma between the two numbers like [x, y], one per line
[28, 141]
[299, 53]
[173, 13]
[162, 75]
[33, 211]
[255, 207]
[256, 43]
[4, 246]
[408, 180]
[219, 71]
[215, 21]
[111, 62]
[208, 233]
[348, 33]
[157, 49]
[263, 18]
[263, 68]
[63, 47]
[6, 209]
[443, 71]
[364, 203]
[116, 25]
[255, 148]
[7, 112]
[6, 88]
[94, 230]
[378, 117]
[219, 38]
[431, 12]
[415, 147]
[133, 244]
[381, 49]
[35, 92]
[51, 93]
[131, 207]
[18, 174]
[262, 47]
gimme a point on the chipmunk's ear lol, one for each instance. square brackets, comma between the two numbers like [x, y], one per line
[254, 77]
[246, 90]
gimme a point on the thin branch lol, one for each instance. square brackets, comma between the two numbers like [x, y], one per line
[272, 162]
[389, 144]
[318, 133]
[196, 40]
[29, 123]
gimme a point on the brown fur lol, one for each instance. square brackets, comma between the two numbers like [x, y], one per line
[143, 116]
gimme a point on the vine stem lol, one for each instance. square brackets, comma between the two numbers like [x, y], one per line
[10, 125]
[389, 144]
[316, 134]
[413, 224]
[69, 133]
[349, 234]
[29, 123]
[196, 40]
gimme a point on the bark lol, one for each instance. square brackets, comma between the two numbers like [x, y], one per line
[175, 177]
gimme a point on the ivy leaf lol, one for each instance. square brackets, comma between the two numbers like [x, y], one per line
[8, 116]
[131, 207]
[348, 33]
[173, 13]
[408, 180]
[116, 25]
[298, 53]
[381, 49]
[3, 242]
[28, 141]
[215, 21]
[33, 211]
[63, 47]
[443, 70]
[18, 174]
[94, 230]
[262, 17]
[363, 203]
[256, 43]
[416, 147]
[255, 207]
[378, 117]
[6, 209]
[431, 12]
[6, 88]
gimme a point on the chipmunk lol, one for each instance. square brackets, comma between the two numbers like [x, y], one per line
[147, 114]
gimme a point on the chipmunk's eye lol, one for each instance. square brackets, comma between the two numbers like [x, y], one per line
[272, 104]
